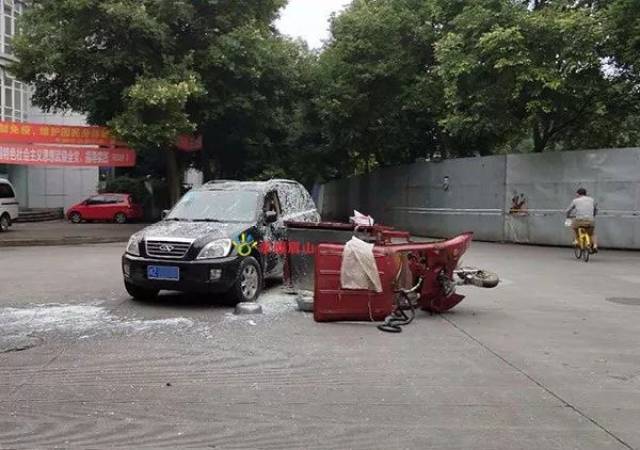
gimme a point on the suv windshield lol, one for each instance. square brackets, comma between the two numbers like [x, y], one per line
[216, 206]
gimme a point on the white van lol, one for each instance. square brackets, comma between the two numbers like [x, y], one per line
[8, 205]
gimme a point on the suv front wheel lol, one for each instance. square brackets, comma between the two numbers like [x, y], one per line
[249, 282]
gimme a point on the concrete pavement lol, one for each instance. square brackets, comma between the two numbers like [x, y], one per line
[544, 361]
[61, 232]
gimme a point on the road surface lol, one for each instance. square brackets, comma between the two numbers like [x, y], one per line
[545, 361]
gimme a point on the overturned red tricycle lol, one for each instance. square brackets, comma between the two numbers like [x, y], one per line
[413, 275]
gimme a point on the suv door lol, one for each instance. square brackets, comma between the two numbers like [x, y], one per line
[272, 233]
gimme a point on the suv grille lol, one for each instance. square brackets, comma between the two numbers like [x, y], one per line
[167, 249]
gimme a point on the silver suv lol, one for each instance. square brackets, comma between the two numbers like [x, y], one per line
[8, 205]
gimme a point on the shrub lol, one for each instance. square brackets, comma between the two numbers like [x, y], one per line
[127, 185]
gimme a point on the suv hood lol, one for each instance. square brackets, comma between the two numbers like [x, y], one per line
[198, 231]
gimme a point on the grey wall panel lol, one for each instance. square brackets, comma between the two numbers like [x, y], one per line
[87, 185]
[412, 197]
[480, 193]
[548, 181]
[73, 186]
[473, 200]
[58, 187]
[54, 183]
[37, 187]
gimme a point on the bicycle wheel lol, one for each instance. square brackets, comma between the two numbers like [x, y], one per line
[577, 251]
[586, 254]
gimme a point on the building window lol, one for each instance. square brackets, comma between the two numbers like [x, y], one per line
[11, 9]
[14, 98]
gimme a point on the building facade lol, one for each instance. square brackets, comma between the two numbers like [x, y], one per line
[36, 187]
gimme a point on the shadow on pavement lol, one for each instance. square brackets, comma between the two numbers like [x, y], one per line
[190, 301]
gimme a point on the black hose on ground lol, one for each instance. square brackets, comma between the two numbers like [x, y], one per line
[399, 318]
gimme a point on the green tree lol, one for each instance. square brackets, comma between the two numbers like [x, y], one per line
[403, 78]
[154, 69]
[622, 19]
[379, 97]
[254, 82]
[508, 68]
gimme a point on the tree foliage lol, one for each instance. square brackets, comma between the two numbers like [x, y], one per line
[404, 79]
[517, 65]
[379, 97]
[154, 69]
[398, 79]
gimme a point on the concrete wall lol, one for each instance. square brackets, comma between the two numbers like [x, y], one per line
[60, 187]
[53, 187]
[547, 181]
[479, 193]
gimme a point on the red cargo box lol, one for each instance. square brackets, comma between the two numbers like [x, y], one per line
[428, 261]
[332, 303]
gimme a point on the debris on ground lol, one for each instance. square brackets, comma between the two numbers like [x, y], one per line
[10, 344]
[305, 301]
[23, 328]
[248, 309]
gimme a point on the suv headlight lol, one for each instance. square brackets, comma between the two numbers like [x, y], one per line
[216, 249]
[133, 247]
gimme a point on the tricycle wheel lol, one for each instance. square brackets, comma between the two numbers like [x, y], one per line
[485, 279]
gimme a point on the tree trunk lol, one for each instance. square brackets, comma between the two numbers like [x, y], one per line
[173, 176]
[539, 142]
[205, 156]
[209, 155]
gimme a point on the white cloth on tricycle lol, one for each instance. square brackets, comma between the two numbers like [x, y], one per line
[358, 269]
[360, 219]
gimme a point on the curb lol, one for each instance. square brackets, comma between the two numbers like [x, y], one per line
[61, 242]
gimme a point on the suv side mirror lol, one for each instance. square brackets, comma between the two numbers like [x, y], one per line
[164, 214]
[270, 217]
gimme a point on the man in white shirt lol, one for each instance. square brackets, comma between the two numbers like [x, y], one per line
[584, 209]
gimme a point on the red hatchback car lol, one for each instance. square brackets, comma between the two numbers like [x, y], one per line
[119, 208]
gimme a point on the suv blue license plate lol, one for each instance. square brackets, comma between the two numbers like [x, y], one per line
[165, 273]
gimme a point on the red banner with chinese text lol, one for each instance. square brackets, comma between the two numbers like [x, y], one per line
[35, 133]
[187, 143]
[56, 155]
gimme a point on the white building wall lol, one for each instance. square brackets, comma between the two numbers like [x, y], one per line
[36, 187]
[59, 187]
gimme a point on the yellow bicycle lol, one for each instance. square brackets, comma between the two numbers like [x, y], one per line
[583, 247]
